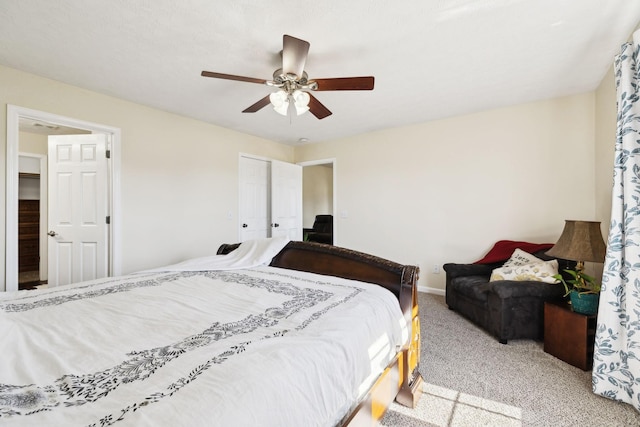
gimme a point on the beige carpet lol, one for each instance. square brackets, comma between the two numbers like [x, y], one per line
[472, 380]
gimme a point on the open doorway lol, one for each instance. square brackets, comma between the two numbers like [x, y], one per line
[319, 200]
[32, 202]
[33, 199]
[23, 126]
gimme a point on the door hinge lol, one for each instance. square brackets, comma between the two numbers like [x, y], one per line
[108, 154]
[109, 220]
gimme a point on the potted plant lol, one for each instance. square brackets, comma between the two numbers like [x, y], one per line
[583, 291]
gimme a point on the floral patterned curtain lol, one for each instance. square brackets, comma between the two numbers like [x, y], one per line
[616, 367]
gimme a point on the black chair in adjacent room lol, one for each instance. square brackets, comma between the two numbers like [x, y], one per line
[322, 231]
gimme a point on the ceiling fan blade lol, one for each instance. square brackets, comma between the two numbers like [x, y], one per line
[232, 77]
[346, 83]
[294, 55]
[258, 105]
[317, 109]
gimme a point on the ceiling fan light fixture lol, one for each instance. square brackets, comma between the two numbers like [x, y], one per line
[282, 109]
[293, 83]
[280, 102]
[301, 101]
[301, 110]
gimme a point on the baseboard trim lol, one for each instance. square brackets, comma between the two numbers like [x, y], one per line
[428, 290]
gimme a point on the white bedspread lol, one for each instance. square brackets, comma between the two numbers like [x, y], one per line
[251, 253]
[257, 347]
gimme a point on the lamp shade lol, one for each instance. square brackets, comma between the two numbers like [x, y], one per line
[580, 241]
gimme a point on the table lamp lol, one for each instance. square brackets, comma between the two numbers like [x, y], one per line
[580, 241]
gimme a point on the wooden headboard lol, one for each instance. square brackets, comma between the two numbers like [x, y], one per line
[346, 263]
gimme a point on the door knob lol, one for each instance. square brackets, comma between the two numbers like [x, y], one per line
[276, 225]
[52, 233]
[244, 225]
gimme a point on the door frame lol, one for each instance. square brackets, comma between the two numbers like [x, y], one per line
[14, 114]
[333, 162]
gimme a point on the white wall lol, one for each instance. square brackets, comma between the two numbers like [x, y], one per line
[33, 143]
[445, 191]
[29, 188]
[179, 176]
[427, 194]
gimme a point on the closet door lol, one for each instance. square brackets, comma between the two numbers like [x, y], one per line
[286, 200]
[270, 199]
[253, 217]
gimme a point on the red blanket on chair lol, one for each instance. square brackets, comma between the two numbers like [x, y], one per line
[503, 249]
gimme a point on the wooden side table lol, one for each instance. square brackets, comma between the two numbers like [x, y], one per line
[569, 336]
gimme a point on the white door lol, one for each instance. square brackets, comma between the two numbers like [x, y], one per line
[286, 200]
[253, 216]
[78, 208]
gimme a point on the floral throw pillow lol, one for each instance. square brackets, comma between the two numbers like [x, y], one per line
[542, 271]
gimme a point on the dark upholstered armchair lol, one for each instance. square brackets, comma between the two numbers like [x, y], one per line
[322, 231]
[506, 309]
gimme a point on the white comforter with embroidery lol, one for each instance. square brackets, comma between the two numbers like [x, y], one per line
[199, 347]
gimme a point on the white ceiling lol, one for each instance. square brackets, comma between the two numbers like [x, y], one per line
[431, 58]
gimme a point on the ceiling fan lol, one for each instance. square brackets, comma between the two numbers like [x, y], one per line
[294, 84]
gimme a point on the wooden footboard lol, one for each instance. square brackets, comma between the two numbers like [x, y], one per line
[401, 380]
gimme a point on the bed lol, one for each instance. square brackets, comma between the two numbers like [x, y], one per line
[269, 333]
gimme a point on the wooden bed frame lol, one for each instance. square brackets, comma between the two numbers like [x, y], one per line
[401, 379]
